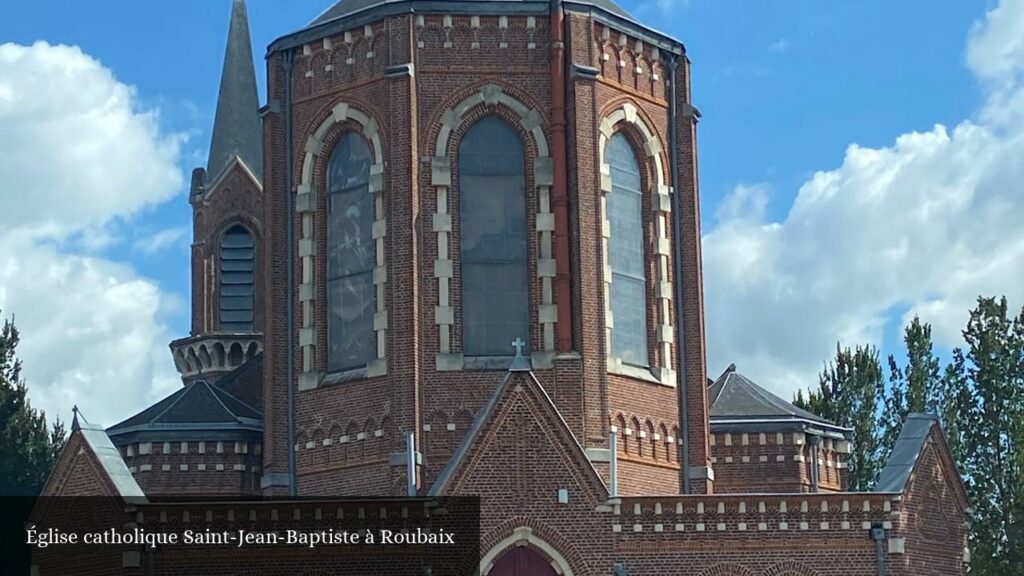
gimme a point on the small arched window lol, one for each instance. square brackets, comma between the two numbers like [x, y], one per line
[628, 291]
[237, 252]
[492, 208]
[350, 256]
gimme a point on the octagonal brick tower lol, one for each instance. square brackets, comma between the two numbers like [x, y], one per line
[383, 120]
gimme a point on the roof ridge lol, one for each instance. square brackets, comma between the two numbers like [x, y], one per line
[219, 401]
[181, 394]
[725, 382]
[232, 396]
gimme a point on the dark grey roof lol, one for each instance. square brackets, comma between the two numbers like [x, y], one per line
[349, 7]
[735, 397]
[348, 14]
[245, 382]
[112, 463]
[197, 406]
[236, 129]
[906, 452]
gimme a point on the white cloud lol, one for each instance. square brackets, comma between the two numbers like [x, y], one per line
[780, 46]
[77, 150]
[995, 47]
[926, 225]
[78, 155]
[160, 241]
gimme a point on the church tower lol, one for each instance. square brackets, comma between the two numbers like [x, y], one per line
[227, 208]
[446, 178]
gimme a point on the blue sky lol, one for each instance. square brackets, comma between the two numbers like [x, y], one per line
[796, 256]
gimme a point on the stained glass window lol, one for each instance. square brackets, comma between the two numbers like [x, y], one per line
[626, 254]
[492, 189]
[236, 280]
[350, 256]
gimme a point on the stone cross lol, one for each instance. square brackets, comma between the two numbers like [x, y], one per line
[518, 345]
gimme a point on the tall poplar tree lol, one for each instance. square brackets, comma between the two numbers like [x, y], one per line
[983, 409]
[914, 387]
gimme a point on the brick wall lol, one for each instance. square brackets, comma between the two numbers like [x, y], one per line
[771, 461]
[217, 467]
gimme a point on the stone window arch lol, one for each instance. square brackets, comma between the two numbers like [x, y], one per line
[365, 156]
[625, 127]
[527, 121]
[524, 536]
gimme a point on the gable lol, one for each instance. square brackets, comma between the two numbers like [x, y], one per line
[89, 465]
[77, 473]
[520, 447]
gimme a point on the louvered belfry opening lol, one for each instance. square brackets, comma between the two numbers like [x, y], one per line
[237, 254]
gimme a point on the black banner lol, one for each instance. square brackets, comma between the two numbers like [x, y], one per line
[359, 536]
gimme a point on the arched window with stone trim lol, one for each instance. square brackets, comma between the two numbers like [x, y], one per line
[492, 210]
[628, 291]
[237, 301]
[350, 256]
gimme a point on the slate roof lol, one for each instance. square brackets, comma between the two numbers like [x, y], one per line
[905, 452]
[245, 382]
[735, 397]
[111, 461]
[197, 406]
[237, 126]
[349, 7]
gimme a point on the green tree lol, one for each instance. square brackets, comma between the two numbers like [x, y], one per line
[28, 447]
[848, 391]
[983, 409]
[913, 388]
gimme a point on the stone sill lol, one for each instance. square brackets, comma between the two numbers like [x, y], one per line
[314, 380]
[652, 375]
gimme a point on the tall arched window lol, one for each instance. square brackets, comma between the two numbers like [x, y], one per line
[236, 280]
[492, 208]
[350, 256]
[626, 254]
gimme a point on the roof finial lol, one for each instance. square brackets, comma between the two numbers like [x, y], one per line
[74, 419]
[236, 128]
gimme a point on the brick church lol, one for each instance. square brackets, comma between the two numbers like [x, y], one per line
[458, 251]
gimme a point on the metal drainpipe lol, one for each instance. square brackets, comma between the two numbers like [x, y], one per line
[878, 535]
[560, 197]
[410, 465]
[812, 445]
[677, 278]
[288, 61]
[613, 464]
[150, 560]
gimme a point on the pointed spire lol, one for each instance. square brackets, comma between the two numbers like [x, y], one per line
[236, 130]
[74, 420]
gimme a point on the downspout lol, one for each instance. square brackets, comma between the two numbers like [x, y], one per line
[878, 535]
[812, 444]
[613, 464]
[150, 560]
[677, 277]
[560, 198]
[288, 61]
